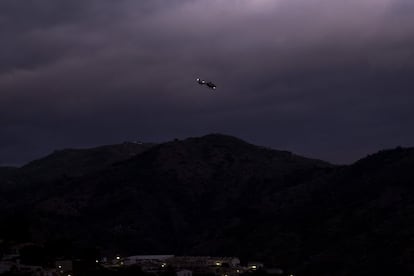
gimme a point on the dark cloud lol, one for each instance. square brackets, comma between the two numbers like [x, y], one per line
[328, 79]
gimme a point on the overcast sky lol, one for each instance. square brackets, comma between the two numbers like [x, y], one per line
[329, 79]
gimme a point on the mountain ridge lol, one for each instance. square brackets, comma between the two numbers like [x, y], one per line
[218, 195]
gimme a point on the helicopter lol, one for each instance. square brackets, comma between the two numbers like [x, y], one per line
[209, 83]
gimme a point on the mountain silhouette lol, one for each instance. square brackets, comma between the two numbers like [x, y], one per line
[218, 195]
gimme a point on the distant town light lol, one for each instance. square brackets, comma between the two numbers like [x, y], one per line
[238, 271]
[59, 266]
[164, 265]
[255, 266]
[218, 264]
[118, 258]
[96, 261]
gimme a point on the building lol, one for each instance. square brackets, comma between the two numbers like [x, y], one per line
[148, 263]
[206, 264]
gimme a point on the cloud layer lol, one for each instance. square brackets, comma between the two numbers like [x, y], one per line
[327, 79]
